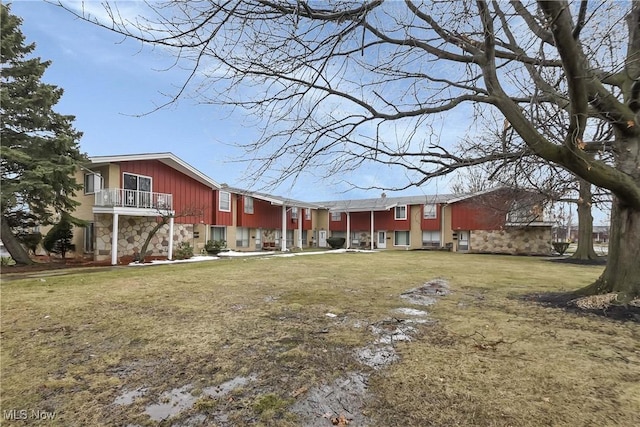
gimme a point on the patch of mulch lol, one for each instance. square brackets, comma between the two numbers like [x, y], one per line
[568, 302]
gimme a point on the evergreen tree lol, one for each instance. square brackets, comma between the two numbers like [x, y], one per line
[39, 151]
[58, 239]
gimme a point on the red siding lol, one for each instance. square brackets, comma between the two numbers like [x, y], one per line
[431, 224]
[338, 225]
[478, 214]
[221, 217]
[385, 220]
[189, 195]
[360, 221]
[265, 215]
[307, 223]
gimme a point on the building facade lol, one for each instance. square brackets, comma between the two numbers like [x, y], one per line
[126, 197]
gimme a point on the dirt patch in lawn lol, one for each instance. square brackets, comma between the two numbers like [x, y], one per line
[596, 305]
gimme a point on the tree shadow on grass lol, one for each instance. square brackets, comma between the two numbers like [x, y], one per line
[567, 301]
[568, 260]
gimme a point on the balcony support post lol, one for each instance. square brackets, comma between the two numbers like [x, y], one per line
[114, 240]
[170, 254]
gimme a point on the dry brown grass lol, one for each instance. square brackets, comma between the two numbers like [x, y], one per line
[74, 343]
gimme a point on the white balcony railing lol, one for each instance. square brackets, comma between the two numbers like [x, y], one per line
[120, 197]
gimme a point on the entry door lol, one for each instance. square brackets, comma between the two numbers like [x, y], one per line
[322, 238]
[382, 239]
[463, 240]
[258, 238]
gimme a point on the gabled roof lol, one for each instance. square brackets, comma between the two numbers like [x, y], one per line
[168, 159]
[274, 200]
[381, 203]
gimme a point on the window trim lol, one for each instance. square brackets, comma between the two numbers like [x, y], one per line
[435, 211]
[396, 213]
[336, 216]
[294, 212]
[395, 238]
[97, 178]
[138, 176]
[228, 197]
[307, 214]
[248, 204]
[241, 233]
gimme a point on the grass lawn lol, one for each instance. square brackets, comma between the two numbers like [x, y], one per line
[247, 341]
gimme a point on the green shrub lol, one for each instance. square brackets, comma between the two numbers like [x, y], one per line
[30, 240]
[215, 246]
[6, 261]
[336, 242]
[58, 239]
[560, 247]
[184, 251]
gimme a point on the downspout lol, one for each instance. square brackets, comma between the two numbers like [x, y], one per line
[348, 230]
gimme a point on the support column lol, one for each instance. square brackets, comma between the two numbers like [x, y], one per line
[283, 238]
[348, 245]
[372, 236]
[170, 254]
[300, 220]
[114, 240]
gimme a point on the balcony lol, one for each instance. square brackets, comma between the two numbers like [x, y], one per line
[133, 199]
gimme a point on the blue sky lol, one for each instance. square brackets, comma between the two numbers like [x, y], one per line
[110, 83]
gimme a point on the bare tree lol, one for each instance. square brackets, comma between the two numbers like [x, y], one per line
[342, 84]
[163, 219]
[533, 173]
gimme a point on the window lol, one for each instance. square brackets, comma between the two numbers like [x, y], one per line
[242, 237]
[92, 183]
[307, 214]
[431, 239]
[401, 212]
[336, 216]
[137, 190]
[430, 211]
[224, 204]
[88, 238]
[294, 213]
[401, 238]
[290, 238]
[218, 233]
[248, 205]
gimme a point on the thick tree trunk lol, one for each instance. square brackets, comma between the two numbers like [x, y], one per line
[18, 253]
[622, 274]
[585, 249]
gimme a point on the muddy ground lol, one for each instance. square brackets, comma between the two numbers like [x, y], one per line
[339, 402]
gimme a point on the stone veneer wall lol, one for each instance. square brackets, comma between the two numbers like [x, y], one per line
[514, 241]
[132, 232]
